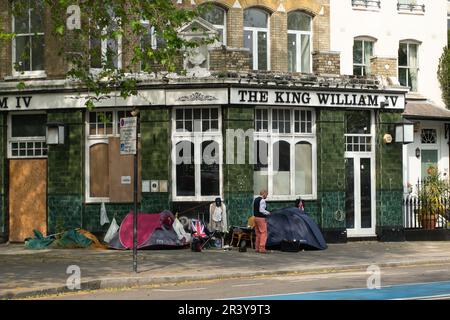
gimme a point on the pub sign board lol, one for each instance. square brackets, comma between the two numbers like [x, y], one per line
[330, 99]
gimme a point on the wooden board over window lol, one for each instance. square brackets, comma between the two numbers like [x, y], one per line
[27, 198]
[99, 170]
[121, 174]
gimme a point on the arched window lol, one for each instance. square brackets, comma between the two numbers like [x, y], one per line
[282, 168]
[303, 168]
[299, 42]
[256, 37]
[217, 16]
[261, 164]
[185, 169]
[362, 52]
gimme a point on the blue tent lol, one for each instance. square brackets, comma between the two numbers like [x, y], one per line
[293, 224]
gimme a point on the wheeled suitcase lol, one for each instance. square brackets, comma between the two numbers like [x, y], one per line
[292, 245]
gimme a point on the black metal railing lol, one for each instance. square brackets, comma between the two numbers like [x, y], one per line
[366, 3]
[418, 215]
[410, 7]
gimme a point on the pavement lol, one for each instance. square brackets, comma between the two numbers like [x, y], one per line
[26, 273]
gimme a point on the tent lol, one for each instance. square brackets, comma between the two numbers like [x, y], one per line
[293, 224]
[155, 231]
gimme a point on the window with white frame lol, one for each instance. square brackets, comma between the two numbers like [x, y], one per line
[105, 52]
[28, 43]
[410, 5]
[149, 41]
[101, 126]
[256, 37]
[362, 52]
[26, 138]
[299, 42]
[196, 145]
[408, 67]
[285, 153]
[358, 136]
[217, 16]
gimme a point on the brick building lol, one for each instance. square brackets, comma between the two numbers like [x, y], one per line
[319, 135]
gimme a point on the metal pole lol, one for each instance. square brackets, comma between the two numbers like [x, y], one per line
[135, 211]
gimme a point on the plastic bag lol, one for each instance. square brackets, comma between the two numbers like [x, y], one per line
[103, 216]
[113, 228]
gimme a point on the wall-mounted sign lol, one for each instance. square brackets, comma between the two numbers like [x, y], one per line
[128, 135]
[47, 101]
[125, 180]
[317, 98]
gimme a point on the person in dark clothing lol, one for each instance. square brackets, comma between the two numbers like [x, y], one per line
[300, 204]
[260, 212]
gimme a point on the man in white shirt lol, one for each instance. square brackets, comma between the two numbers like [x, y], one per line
[260, 212]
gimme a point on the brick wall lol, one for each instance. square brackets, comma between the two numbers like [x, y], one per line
[5, 46]
[326, 63]
[229, 59]
[381, 66]
[278, 35]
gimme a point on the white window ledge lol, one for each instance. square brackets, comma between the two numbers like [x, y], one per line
[34, 75]
[363, 8]
[414, 13]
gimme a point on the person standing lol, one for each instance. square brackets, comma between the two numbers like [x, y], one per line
[260, 212]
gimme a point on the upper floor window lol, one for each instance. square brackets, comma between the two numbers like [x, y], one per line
[106, 50]
[28, 44]
[299, 42]
[362, 52]
[410, 5]
[408, 64]
[367, 3]
[217, 16]
[149, 41]
[256, 37]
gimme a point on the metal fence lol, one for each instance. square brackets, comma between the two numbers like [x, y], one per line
[416, 215]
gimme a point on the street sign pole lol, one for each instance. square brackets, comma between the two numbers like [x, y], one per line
[129, 146]
[135, 211]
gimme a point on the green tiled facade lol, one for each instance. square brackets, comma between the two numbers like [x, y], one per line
[66, 166]
[238, 178]
[331, 167]
[3, 169]
[66, 172]
[389, 174]
[155, 155]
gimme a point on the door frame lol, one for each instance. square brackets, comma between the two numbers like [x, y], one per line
[367, 232]
[358, 231]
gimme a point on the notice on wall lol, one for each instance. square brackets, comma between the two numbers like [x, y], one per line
[125, 180]
[128, 135]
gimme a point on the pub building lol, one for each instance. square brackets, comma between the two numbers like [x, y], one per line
[334, 140]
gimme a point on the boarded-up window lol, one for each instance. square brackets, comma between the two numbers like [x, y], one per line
[99, 170]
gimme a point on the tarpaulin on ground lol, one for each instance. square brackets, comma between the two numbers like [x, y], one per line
[154, 231]
[292, 224]
[70, 239]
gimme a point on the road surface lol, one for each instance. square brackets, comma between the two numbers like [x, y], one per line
[418, 282]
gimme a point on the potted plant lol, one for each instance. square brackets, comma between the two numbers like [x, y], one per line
[431, 194]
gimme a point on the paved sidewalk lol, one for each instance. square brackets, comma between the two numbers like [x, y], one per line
[25, 272]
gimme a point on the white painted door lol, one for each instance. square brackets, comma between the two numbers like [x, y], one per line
[360, 196]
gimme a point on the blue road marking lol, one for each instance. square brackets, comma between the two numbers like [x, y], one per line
[408, 291]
